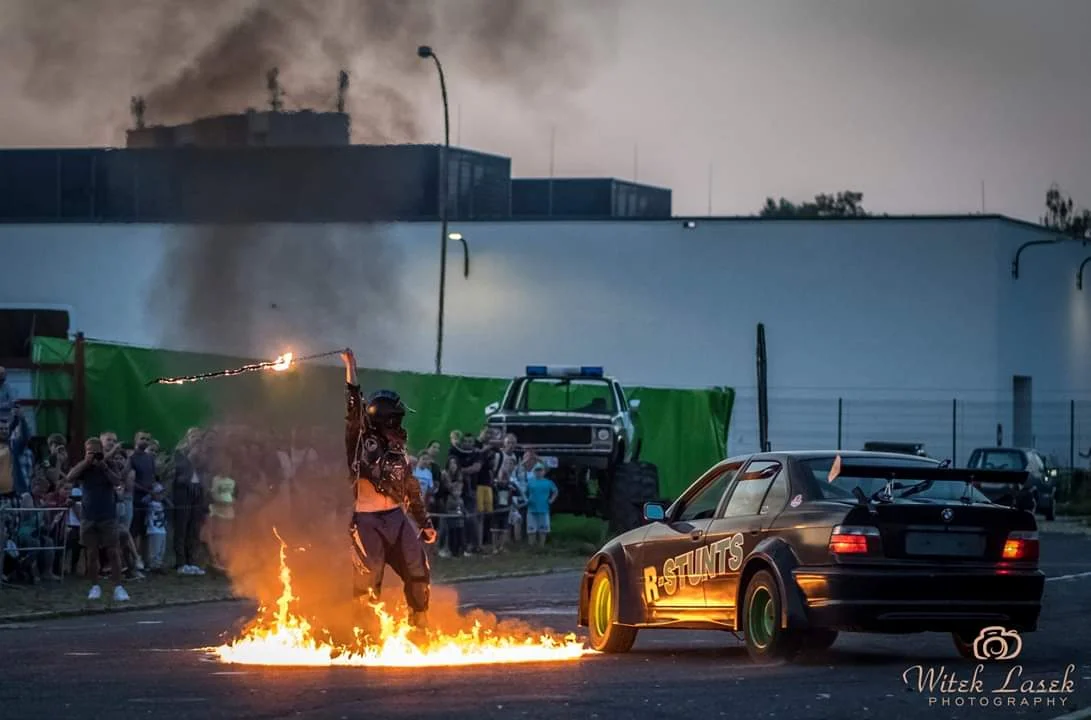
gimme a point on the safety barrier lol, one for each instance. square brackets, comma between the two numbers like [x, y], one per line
[32, 537]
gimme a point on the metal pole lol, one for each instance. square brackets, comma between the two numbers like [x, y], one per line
[1071, 434]
[445, 187]
[954, 432]
[840, 418]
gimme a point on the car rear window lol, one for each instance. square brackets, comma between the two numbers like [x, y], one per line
[818, 470]
[1000, 460]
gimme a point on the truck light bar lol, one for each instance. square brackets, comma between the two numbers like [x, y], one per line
[564, 371]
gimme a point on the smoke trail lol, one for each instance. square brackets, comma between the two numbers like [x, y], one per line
[67, 70]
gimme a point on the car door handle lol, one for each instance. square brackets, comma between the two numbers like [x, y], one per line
[696, 535]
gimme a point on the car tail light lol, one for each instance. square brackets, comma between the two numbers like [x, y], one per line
[1021, 545]
[853, 540]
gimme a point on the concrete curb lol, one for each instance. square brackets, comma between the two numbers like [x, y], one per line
[133, 606]
[504, 576]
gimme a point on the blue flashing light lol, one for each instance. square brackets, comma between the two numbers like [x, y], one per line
[559, 371]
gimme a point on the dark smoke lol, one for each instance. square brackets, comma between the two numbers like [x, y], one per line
[72, 66]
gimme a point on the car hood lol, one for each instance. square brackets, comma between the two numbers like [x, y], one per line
[552, 418]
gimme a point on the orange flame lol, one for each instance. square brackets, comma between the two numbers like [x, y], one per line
[285, 639]
[282, 363]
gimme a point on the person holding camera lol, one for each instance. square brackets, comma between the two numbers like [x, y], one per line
[99, 516]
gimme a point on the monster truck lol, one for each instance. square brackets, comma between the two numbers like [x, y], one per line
[586, 430]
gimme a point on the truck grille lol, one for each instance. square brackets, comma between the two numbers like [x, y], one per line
[550, 434]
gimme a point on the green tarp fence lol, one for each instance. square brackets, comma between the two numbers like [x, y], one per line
[684, 430]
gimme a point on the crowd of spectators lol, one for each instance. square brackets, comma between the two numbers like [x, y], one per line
[110, 513]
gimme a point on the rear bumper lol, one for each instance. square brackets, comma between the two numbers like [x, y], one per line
[920, 599]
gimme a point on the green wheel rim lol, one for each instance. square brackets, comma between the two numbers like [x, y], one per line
[603, 604]
[761, 618]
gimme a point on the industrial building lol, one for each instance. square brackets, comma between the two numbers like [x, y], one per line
[953, 331]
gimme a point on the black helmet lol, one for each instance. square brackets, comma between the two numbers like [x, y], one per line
[385, 408]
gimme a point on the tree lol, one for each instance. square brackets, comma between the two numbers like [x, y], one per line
[1061, 216]
[843, 204]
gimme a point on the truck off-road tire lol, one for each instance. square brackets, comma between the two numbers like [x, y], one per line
[631, 485]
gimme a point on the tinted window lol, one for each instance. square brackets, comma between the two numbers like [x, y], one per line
[776, 497]
[842, 487]
[751, 488]
[702, 506]
[1000, 460]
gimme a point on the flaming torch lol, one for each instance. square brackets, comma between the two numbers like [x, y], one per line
[280, 364]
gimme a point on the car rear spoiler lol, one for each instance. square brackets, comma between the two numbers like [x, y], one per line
[904, 472]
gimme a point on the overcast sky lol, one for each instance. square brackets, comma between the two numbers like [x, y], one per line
[915, 103]
[912, 102]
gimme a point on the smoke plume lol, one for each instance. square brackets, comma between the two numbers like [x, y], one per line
[70, 68]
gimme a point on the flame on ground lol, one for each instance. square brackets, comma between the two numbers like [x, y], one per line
[285, 639]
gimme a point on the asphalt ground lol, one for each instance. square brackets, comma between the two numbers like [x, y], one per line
[144, 663]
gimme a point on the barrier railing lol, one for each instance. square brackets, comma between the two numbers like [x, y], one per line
[32, 537]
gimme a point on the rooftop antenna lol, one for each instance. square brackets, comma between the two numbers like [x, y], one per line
[136, 107]
[342, 88]
[276, 93]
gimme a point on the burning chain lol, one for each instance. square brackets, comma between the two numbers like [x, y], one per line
[280, 364]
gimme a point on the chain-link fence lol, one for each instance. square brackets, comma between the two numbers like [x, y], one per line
[952, 428]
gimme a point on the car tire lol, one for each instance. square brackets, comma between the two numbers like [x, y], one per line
[766, 642]
[631, 485]
[602, 609]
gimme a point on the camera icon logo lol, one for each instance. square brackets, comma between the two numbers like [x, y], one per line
[997, 643]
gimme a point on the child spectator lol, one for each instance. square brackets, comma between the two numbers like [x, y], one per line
[72, 497]
[541, 492]
[155, 526]
[221, 512]
[504, 503]
[456, 526]
[422, 471]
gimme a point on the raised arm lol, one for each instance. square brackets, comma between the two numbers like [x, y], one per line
[352, 409]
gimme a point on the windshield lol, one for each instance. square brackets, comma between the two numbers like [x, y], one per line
[999, 460]
[842, 487]
[567, 395]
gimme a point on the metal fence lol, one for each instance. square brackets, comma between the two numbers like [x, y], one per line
[949, 428]
[32, 537]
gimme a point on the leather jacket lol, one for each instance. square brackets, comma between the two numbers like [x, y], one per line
[373, 457]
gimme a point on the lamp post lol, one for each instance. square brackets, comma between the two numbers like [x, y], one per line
[426, 52]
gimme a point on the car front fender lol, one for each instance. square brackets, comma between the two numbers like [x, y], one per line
[630, 603]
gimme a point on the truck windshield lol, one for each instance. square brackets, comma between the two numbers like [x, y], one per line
[841, 487]
[567, 395]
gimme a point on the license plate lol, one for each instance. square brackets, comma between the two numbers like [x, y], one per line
[945, 544]
[549, 461]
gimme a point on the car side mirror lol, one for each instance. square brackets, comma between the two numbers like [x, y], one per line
[634, 405]
[654, 512]
[491, 408]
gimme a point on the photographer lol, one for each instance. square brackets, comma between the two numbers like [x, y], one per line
[99, 518]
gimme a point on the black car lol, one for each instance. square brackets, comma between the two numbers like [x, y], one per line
[1040, 492]
[789, 548]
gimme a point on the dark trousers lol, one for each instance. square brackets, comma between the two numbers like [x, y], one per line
[187, 534]
[389, 538]
[456, 530]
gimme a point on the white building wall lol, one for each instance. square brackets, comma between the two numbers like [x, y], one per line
[897, 316]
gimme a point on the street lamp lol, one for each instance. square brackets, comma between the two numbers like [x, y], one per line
[426, 52]
[457, 237]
